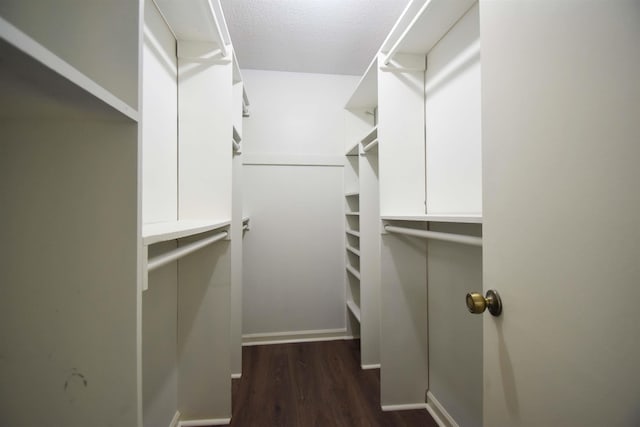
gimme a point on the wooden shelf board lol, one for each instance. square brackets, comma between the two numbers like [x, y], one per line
[163, 231]
[354, 309]
[459, 218]
[35, 82]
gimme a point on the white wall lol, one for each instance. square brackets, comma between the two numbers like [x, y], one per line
[294, 254]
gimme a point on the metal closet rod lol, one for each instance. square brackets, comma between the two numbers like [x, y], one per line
[164, 259]
[436, 235]
[370, 145]
[396, 45]
[223, 47]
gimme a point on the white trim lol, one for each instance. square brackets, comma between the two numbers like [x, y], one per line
[405, 407]
[204, 423]
[175, 422]
[439, 413]
[236, 376]
[256, 159]
[370, 366]
[295, 337]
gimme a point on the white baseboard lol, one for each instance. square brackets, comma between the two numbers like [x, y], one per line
[371, 366]
[175, 422]
[236, 376]
[203, 423]
[405, 407]
[294, 337]
[439, 413]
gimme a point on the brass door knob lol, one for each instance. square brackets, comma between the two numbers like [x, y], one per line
[477, 304]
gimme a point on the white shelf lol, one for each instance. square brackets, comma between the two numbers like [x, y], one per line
[353, 250]
[353, 233]
[36, 82]
[365, 95]
[427, 28]
[352, 194]
[354, 309]
[464, 219]
[196, 20]
[353, 150]
[236, 135]
[164, 231]
[352, 213]
[353, 271]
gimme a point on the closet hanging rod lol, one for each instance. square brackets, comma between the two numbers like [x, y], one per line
[219, 36]
[164, 259]
[370, 145]
[436, 235]
[396, 45]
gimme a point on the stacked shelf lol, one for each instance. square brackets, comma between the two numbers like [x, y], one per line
[352, 228]
[352, 247]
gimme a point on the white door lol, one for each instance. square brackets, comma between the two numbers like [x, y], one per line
[561, 165]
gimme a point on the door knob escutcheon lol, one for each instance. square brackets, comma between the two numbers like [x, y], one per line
[477, 304]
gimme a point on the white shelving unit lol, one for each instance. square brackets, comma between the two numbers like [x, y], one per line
[69, 150]
[362, 147]
[352, 238]
[192, 206]
[192, 211]
[430, 183]
[239, 221]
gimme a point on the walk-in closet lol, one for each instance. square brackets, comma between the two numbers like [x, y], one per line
[319, 212]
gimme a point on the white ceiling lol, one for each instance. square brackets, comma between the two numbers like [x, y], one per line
[310, 36]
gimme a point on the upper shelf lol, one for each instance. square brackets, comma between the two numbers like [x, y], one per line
[163, 231]
[422, 25]
[36, 82]
[366, 94]
[464, 219]
[196, 20]
[353, 151]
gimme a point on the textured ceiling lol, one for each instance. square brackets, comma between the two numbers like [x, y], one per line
[310, 36]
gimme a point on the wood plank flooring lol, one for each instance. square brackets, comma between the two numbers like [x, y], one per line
[312, 384]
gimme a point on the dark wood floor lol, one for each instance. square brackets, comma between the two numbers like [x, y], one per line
[312, 384]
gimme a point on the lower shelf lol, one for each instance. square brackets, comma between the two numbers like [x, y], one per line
[354, 309]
